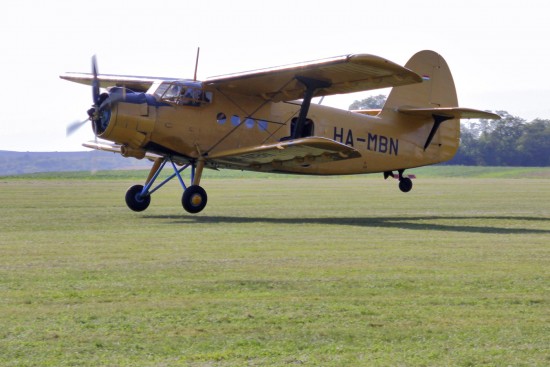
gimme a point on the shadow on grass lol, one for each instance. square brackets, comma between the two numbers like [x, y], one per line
[412, 223]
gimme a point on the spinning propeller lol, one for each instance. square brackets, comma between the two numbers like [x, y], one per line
[100, 112]
[71, 128]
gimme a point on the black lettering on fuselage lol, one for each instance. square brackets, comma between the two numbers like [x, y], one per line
[372, 142]
[394, 146]
[349, 138]
[338, 135]
[375, 142]
[383, 144]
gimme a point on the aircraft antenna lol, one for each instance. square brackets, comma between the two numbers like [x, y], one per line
[197, 63]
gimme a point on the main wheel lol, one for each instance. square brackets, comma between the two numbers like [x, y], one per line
[135, 201]
[194, 199]
[405, 184]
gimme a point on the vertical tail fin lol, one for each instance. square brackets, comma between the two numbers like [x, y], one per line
[437, 90]
[435, 135]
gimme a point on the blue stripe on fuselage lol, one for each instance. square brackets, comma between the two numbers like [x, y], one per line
[138, 97]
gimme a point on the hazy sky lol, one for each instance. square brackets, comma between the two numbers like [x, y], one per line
[498, 50]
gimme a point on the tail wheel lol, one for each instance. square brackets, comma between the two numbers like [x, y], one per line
[405, 184]
[194, 199]
[135, 200]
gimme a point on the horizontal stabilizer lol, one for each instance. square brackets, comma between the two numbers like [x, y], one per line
[450, 112]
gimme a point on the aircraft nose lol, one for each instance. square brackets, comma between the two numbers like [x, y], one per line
[103, 104]
[100, 114]
[100, 118]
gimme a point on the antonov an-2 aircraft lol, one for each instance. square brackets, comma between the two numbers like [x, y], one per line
[264, 120]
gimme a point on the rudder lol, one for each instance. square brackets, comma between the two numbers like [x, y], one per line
[436, 140]
[437, 90]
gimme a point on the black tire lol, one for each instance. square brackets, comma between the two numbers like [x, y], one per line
[405, 184]
[135, 201]
[194, 199]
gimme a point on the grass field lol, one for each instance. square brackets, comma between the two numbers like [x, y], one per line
[278, 271]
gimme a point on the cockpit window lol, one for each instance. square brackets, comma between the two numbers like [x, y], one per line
[183, 93]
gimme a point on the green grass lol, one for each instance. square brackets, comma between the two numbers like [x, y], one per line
[426, 172]
[483, 172]
[277, 270]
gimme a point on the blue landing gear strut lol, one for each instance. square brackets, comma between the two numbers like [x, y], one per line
[138, 197]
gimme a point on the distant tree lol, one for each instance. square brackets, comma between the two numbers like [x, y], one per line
[510, 141]
[373, 102]
[468, 151]
[534, 144]
[499, 145]
[479, 127]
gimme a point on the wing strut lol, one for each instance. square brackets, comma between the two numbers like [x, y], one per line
[438, 120]
[311, 86]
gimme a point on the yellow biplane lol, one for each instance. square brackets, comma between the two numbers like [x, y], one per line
[264, 121]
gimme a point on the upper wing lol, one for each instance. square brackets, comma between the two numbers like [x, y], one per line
[291, 153]
[346, 74]
[453, 112]
[135, 83]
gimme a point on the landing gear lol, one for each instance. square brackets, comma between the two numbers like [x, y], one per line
[405, 183]
[136, 200]
[194, 197]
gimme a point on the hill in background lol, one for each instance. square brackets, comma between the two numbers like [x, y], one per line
[25, 163]
[16, 163]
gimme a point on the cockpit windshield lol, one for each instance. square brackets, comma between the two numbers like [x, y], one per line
[183, 93]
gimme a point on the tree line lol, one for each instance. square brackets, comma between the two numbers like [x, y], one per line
[510, 141]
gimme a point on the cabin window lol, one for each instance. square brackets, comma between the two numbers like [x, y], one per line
[221, 118]
[161, 90]
[235, 120]
[249, 123]
[183, 93]
[262, 125]
[307, 128]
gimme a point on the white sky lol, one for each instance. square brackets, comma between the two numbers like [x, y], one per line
[497, 50]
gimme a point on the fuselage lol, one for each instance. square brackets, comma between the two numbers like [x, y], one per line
[147, 122]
